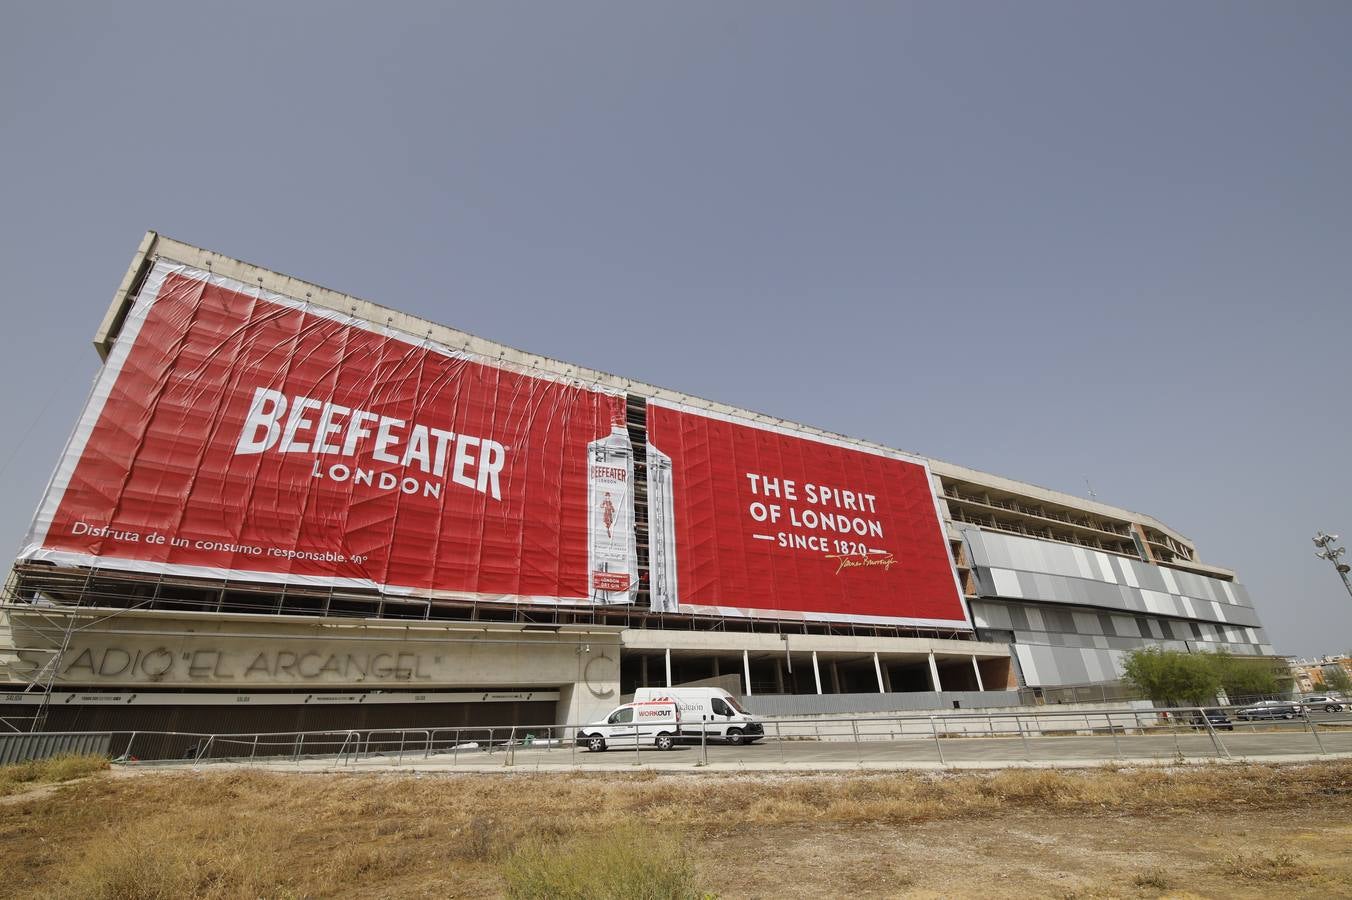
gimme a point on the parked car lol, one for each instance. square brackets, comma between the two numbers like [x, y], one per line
[1270, 709]
[1328, 704]
[1216, 718]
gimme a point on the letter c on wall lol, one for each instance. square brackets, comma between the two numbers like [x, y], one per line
[587, 677]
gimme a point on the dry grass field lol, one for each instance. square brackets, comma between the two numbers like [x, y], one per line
[1214, 831]
[25, 776]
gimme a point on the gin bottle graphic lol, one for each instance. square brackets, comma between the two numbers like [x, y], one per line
[611, 554]
[661, 533]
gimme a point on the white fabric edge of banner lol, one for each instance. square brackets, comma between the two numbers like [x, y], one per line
[93, 411]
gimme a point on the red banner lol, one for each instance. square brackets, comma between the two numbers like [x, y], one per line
[752, 520]
[241, 434]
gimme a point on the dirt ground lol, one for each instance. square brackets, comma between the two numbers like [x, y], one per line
[1212, 831]
[1231, 854]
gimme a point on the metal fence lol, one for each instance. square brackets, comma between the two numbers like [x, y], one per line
[15, 748]
[995, 736]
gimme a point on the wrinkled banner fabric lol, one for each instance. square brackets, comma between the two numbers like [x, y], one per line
[241, 434]
[749, 519]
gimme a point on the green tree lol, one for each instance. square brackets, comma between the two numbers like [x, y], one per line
[1247, 677]
[1336, 679]
[1171, 676]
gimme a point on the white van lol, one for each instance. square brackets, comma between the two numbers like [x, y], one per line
[656, 723]
[709, 709]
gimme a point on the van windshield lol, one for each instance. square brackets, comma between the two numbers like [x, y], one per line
[737, 707]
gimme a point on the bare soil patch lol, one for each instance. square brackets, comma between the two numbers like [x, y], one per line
[1221, 831]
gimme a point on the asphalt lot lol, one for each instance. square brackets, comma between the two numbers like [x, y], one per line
[805, 754]
[831, 744]
[1266, 741]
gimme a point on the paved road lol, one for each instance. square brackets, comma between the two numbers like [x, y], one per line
[1266, 743]
[1034, 749]
[831, 746]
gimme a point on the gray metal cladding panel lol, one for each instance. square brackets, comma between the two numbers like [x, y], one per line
[1043, 585]
[1059, 620]
[985, 587]
[1046, 666]
[1027, 569]
[994, 615]
[1049, 666]
[1032, 555]
[1086, 623]
[1035, 623]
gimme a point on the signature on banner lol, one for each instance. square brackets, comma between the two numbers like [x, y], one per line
[862, 562]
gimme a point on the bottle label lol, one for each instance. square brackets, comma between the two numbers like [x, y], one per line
[610, 500]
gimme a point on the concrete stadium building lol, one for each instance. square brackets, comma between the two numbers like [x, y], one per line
[1052, 590]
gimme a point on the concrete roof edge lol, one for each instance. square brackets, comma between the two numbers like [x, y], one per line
[117, 310]
[334, 627]
[1013, 486]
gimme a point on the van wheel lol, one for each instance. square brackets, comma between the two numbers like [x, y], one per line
[665, 742]
[596, 743]
[734, 736]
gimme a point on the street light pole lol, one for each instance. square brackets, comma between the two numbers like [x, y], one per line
[1329, 549]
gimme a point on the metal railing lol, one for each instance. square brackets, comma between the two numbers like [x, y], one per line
[1004, 735]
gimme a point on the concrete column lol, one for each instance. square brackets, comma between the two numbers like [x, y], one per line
[835, 677]
[668, 667]
[1147, 555]
[878, 670]
[746, 671]
[887, 679]
[580, 703]
[779, 677]
[643, 669]
[934, 673]
[977, 670]
[816, 671]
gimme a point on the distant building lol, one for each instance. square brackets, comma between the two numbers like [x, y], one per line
[1311, 675]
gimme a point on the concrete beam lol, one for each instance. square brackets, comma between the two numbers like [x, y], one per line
[731, 642]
